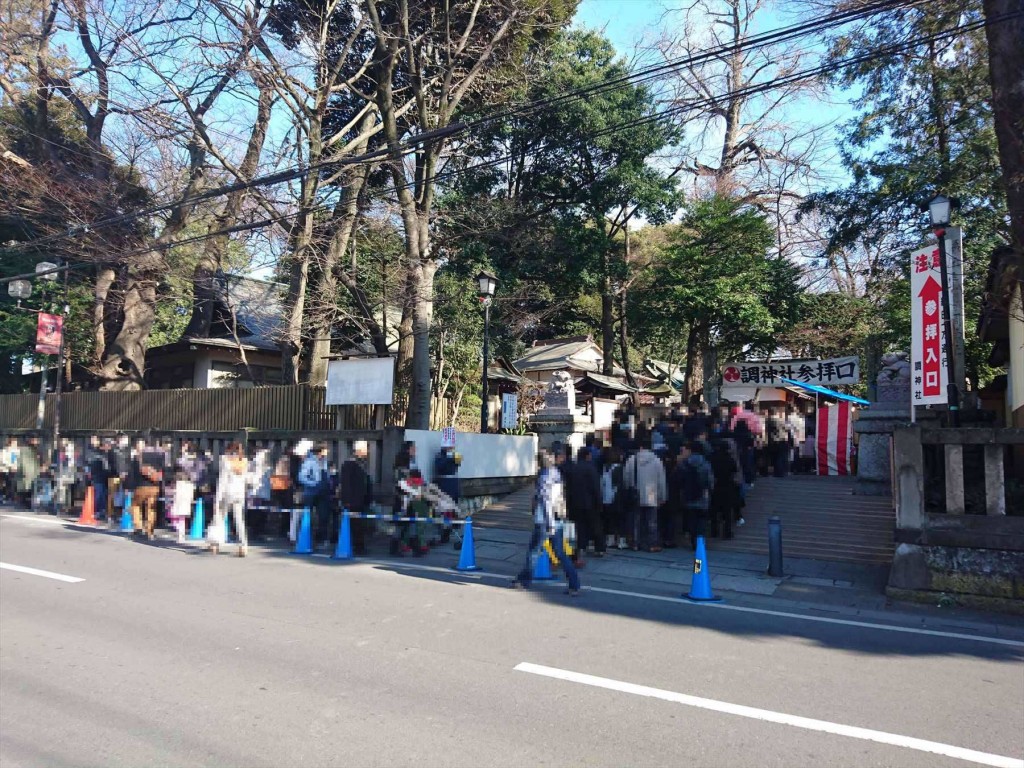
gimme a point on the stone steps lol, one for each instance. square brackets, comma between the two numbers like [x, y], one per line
[514, 511]
[821, 519]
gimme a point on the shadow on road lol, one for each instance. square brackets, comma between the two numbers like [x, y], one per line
[636, 600]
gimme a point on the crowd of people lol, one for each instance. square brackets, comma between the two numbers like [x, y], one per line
[661, 484]
[641, 485]
[162, 486]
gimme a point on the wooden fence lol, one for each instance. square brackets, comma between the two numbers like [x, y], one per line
[299, 407]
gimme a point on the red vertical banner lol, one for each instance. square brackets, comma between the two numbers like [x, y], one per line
[931, 348]
[49, 330]
[835, 439]
[927, 350]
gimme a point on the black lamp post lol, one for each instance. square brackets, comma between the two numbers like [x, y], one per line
[487, 285]
[940, 208]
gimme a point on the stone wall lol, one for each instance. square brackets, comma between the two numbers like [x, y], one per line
[981, 578]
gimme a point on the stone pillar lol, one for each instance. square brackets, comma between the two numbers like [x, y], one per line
[909, 478]
[876, 424]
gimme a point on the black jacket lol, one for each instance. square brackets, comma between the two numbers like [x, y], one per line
[584, 487]
[356, 489]
[98, 471]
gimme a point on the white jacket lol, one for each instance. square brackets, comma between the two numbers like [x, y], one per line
[650, 478]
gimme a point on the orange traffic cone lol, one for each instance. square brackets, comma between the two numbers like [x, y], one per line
[88, 516]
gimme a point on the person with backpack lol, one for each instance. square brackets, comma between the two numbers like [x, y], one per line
[695, 481]
[549, 513]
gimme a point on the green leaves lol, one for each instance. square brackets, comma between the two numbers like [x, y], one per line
[716, 275]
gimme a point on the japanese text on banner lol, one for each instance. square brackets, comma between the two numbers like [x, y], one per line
[928, 340]
[827, 373]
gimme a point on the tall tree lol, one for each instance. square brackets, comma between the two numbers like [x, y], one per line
[441, 55]
[924, 124]
[717, 280]
[581, 168]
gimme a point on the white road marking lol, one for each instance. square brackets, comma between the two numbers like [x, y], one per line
[767, 715]
[819, 619]
[37, 572]
[37, 519]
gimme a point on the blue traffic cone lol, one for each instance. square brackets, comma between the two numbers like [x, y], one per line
[344, 549]
[542, 568]
[127, 524]
[700, 588]
[467, 555]
[198, 522]
[304, 541]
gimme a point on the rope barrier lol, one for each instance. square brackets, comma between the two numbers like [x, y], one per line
[353, 516]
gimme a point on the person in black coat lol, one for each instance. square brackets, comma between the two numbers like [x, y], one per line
[585, 506]
[356, 494]
[725, 495]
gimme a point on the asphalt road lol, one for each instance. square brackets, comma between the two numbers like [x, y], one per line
[167, 657]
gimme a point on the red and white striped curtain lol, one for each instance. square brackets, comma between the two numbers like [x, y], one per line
[835, 439]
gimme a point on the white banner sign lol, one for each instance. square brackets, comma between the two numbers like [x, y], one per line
[825, 373]
[368, 381]
[928, 339]
[509, 410]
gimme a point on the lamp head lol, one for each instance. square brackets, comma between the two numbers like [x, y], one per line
[487, 283]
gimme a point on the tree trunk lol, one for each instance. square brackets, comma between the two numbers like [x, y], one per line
[204, 291]
[326, 288]
[124, 363]
[607, 318]
[422, 282]
[1005, 65]
[694, 365]
[624, 337]
[301, 247]
[104, 280]
[621, 301]
[291, 346]
[711, 382]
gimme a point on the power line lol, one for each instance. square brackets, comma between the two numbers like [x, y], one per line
[458, 128]
[409, 144]
[684, 108]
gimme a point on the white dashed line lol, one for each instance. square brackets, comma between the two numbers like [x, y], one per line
[767, 715]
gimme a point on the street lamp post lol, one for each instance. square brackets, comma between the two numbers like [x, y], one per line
[939, 209]
[487, 285]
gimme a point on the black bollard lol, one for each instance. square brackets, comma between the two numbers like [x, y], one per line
[774, 546]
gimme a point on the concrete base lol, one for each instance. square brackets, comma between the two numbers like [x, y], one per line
[984, 578]
[564, 429]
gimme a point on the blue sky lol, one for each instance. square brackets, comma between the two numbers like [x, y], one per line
[623, 21]
[626, 23]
